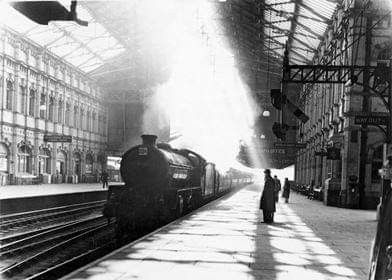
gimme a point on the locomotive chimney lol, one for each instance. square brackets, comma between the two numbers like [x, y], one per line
[149, 139]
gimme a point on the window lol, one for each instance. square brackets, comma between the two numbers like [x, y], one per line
[88, 121]
[44, 161]
[377, 164]
[76, 117]
[51, 108]
[42, 105]
[24, 159]
[3, 158]
[89, 164]
[22, 102]
[94, 128]
[60, 112]
[10, 93]
[32, 102]
[61, 163]
[67, 113]
[104, 125]
[100, 124]
[81, 124]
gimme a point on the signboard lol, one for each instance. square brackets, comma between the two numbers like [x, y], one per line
[272, 151]
[290, 145]
[57, 138]
[371, 120]
[142, 151]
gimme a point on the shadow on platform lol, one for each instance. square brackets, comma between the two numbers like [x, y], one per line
[227, 240]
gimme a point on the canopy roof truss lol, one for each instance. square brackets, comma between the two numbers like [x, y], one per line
[84, 47]
[299, 23]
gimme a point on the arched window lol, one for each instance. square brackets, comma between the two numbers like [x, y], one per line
[61, 163]
[44, 161]
[3, 158]
[77, 164]
[24, 159]
[51, 108]
[89, 164]
[60, 112]
[76, 117]
[42, 105]
[32, 102]
[81, 124]
[67, 113]
[22, 109]
[88, 121]
[10, 93]
[100, 124]
[94, 126]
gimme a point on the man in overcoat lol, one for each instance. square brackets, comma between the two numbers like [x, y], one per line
[267, 200]
[278, 187]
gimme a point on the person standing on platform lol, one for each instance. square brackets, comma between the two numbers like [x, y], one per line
[104, 178]
[286, 190]
[278, 187]
[267, 200]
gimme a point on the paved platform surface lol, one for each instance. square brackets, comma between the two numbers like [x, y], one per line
[226, 240]
[15, 191]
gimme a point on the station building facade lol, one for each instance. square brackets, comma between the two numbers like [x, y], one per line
[332, 109]
[41, 95]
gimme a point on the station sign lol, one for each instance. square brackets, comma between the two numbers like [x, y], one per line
[290, 145]
[57, 138]
[371, 120]
[272, 151]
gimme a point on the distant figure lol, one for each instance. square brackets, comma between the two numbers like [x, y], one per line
[278, 187]
[104, 178]
[267, 200]
[286, 190]
[311, 189]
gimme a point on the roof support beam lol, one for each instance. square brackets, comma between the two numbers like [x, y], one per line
[68, 34]
[293, 26]
[310, 9]
[304, 44]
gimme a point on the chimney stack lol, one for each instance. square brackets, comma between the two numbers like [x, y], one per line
[149, 139]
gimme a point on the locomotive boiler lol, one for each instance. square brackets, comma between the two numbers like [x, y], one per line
[162, 182]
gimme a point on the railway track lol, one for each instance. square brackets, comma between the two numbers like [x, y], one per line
[16, 224]
[48, 252]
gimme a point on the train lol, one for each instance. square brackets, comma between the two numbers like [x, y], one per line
[161, 182]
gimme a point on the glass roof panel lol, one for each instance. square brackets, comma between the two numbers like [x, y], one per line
[310, 23]
[66, 39]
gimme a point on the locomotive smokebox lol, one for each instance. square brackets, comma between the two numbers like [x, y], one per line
[149, 139]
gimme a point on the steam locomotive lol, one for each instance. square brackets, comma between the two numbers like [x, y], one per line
[162, 183]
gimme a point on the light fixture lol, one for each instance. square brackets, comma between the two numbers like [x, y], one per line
[266, 113]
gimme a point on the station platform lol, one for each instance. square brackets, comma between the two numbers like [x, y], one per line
[227, 240]
[17, 191]
[23, 198]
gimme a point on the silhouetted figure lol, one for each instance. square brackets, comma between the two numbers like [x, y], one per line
[267, 200]
[104, 178]
[278, 187]
[286, 190]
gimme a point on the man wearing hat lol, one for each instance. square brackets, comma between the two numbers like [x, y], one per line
[267, 200]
